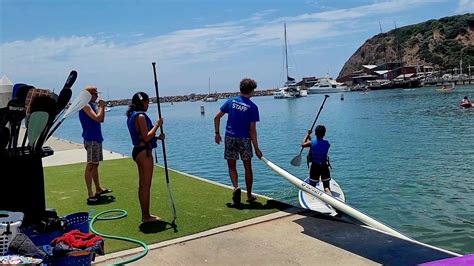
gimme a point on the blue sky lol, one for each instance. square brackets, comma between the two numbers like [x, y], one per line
[111, 43]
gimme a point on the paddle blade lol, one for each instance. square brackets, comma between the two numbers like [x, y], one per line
[70, 80]
[297, 160]
[63, 99]
[37, 123]
[79, 102]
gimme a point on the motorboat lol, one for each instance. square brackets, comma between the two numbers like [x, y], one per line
[327, 85]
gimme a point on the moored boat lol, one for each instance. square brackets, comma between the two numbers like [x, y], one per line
[445, 89]
[209, 97]
[285, 93]
[327, 85]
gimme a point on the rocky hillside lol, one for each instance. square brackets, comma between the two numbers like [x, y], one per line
[439, 43]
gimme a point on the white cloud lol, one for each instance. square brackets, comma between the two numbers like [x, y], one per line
[375, 9]
[465, 6]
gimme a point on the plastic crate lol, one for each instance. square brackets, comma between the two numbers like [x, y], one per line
[41, 239]
[9, 224]
[79, 221]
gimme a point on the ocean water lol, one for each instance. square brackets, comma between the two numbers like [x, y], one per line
[404, 157]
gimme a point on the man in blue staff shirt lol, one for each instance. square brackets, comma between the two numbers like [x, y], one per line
[240, 135]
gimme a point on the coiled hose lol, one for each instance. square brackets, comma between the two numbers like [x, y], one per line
[121, 214]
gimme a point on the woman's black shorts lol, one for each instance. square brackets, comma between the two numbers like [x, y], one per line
[137, 149]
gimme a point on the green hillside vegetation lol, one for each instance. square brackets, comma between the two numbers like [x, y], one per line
[445, 52]
[439, 43]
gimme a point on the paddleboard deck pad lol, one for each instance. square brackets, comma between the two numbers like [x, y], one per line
[311, 202]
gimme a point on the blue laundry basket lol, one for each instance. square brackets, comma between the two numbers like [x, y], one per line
[79, 221]
[40, 239]
[83, 260]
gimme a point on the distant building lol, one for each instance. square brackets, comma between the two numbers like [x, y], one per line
[387, 71]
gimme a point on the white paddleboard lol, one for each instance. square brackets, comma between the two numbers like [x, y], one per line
[311, 202]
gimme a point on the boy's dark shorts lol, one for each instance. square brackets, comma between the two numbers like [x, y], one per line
[235, 147]
[320, 170]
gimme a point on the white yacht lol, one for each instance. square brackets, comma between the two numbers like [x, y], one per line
[327, 85]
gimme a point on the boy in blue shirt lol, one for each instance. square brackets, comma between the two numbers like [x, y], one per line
[240, 135]
[319, 158]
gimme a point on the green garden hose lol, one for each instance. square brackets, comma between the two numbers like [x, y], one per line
[122, 213]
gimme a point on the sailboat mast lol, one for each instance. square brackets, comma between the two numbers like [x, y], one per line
[286, 55]
[384, 46]
[209, 85]
[398, 53]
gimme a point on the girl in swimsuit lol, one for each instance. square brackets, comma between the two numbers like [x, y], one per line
[143, 132]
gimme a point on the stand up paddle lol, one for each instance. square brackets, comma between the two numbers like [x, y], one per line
[61, 103]
[37, 123]
[79, 102]
[66, 93]
[39, 104]
[173, 205]
[297, 160]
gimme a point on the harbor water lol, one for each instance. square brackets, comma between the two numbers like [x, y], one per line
[402, 156]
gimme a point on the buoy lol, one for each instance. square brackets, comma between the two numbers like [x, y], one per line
[342, 97]
[202, 109]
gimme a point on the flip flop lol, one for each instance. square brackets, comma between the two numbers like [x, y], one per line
[105, 191]
[236, 195]
[92, 200]
[252, 199]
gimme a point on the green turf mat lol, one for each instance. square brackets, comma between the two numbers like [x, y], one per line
[200, 205]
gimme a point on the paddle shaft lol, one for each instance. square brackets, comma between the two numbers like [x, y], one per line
[163, 141]
[61, 103]
[159, 116]
[316, 119]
